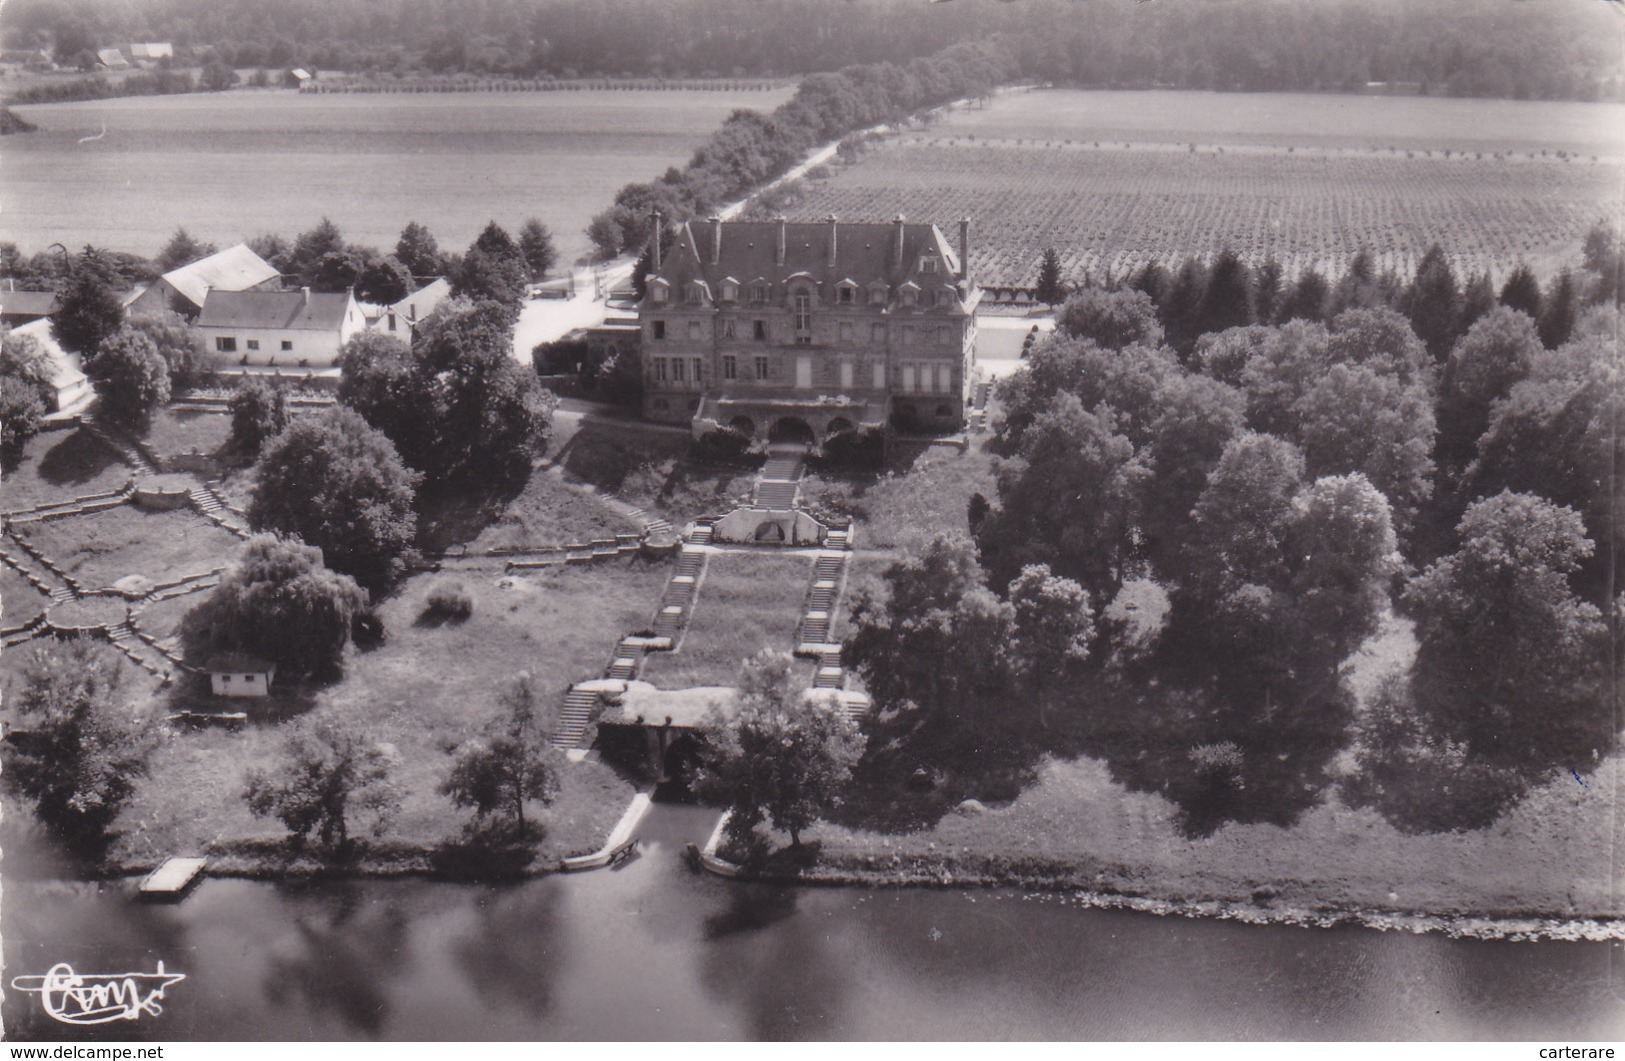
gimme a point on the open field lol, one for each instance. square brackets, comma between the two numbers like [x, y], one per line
[19, 600]
[1551, 853]
[426, 689]
[58, 466]
[370, 162]
[1112, 180]
[748, 601]
[100, 548]
[174, 431]
[550, 511]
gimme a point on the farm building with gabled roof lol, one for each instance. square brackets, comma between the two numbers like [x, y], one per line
[808, 330]
[302, 329]
[68, 381]
[20, 307]
[183, 290]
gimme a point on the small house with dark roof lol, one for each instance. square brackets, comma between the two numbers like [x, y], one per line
[183, 290]
[284, 329]
[20, 307]
[803, 331]
[239, 674]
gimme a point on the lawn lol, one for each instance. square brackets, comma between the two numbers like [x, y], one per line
[426, 689]
[927, 495]
[175, 431]
[19, 600]
[747, 601]
[163, 619]
[1551, 853]
[647, 469]
[100, 548]
[550, 511]
[59, 466]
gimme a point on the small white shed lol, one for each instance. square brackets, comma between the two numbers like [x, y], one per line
[240, 674]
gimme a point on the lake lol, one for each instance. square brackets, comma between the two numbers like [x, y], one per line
[653, 951]
[229, 166]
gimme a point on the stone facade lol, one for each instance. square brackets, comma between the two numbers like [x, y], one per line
[804, 331]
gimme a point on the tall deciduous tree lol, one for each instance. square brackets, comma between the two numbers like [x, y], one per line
[279, 602]
[931, 636]
[509, 764]
[75, 746]
[1509, 658]
[1111, 319]
[338, 484]
[327, 771]
[1495, 354]
[1355, 420]
[777, 754]
[131, 377]
[189, 358]
[21, 415]
[493, 268]
[383, 281]
[259, 411]
[1051, 630]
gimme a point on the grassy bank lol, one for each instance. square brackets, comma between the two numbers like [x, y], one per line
[1556, 855]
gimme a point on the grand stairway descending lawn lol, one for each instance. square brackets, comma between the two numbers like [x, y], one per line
[779, 482]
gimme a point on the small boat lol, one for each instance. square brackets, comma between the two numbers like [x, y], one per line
[172, 878]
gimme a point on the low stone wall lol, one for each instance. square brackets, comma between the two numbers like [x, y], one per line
[162, 493]
[760, 526]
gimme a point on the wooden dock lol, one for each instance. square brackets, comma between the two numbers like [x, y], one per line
[171, 879]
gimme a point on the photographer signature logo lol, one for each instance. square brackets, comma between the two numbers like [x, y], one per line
[98, 998]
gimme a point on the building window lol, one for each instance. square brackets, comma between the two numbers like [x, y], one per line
[846, 331]
[803, 315]
[391, 316]
[694, 330]
[660, 329]
[728, 327]
[759, 329]
[877, 295]
[253, 344]
[845, 296]
[877, 333]
[730, 292]
[249, 678]
[699, 372]
[928, 265]
[287, 344]
[225, 344]
[907, 338]
[758, 293]
[225, 679]
[730, 366]
[657, 292]
[677, 369]
[761, 368]
[660, 368]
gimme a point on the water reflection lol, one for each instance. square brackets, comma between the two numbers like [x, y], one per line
[657, 951]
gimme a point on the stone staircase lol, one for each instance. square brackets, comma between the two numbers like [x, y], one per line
[701, 534]
[779, 482]
[129, 452]
[77, 506]
[678, 599]
[124, 638]
[624, 666]
[214, 508]
[977, 420]
[580, 706]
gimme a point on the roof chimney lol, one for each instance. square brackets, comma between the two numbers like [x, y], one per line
[716, 240]
[833, 227]
[964, 248]
[897, 241]
[654, 241]
[778, 256]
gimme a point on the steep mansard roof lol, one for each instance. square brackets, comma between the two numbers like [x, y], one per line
[865, 252]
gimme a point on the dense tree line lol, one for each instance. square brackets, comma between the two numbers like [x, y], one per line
[1547, 50]
[1221, 512]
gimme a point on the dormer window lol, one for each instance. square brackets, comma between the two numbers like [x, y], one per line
[698, 292]
[909, 293]
[730, 291]
[846, 293]
[758, 292]
[928, 265]
[657, 290]
[877, 294]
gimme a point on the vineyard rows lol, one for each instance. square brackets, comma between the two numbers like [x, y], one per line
[1106, 209]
